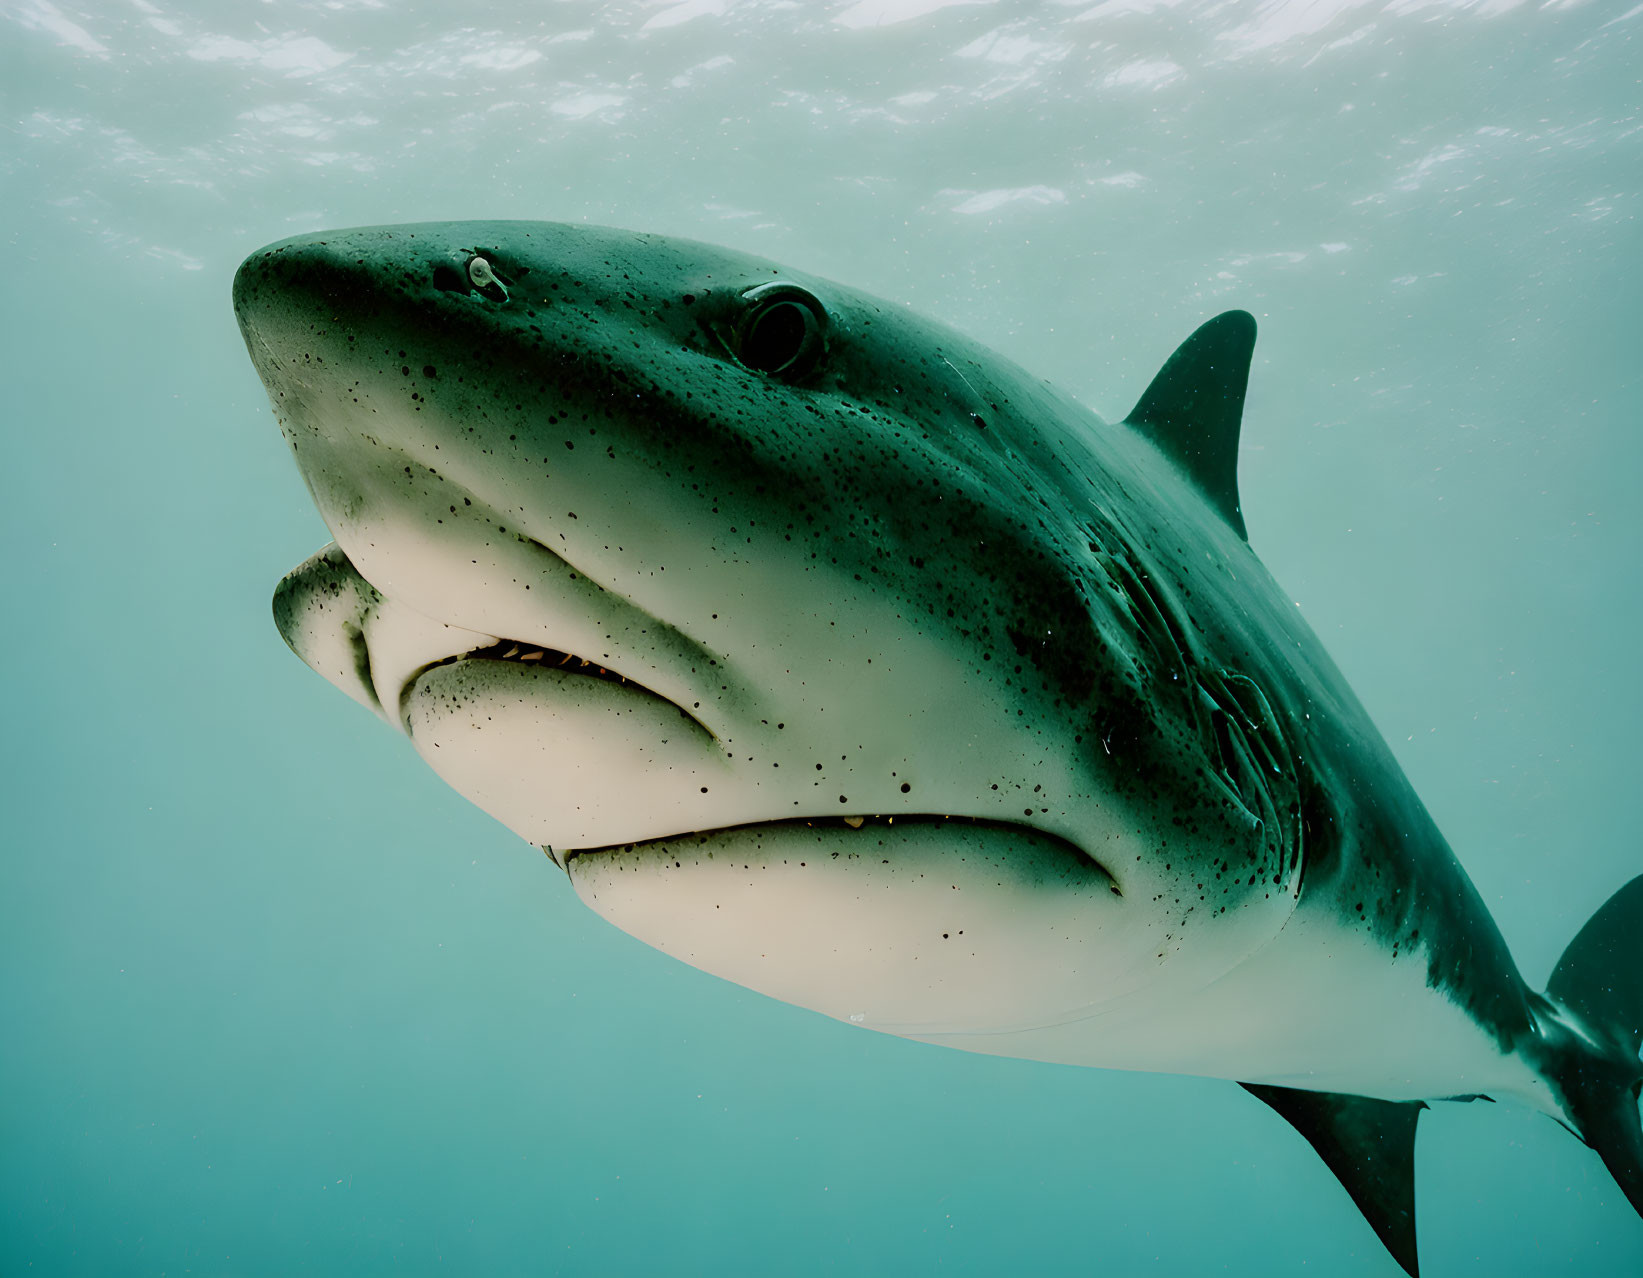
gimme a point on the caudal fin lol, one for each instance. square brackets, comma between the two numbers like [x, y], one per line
[1600, 979]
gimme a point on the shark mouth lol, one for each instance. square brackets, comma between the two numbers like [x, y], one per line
[518, 650]
[569, 749]
[524, 653]
[715, 847]
[841, 826]
[846, 829]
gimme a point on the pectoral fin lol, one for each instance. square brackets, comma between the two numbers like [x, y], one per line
[1370, 1146]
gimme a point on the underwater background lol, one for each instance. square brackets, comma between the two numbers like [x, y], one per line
[274, 1001]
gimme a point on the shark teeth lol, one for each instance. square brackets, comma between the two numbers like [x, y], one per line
[539, 656]
[532, 654]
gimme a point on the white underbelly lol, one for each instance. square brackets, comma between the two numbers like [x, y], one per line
[1318, 1007]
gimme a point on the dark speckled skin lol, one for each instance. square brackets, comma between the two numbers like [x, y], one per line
[1099, 598]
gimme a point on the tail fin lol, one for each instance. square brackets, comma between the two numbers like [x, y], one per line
[1600, 979]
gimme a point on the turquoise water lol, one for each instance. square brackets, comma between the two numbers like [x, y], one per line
[275, 1001]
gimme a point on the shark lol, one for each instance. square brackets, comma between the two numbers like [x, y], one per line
[827, 651]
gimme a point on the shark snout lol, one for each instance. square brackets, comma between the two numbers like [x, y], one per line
[307, 303]
[287, 284]
[289, 300]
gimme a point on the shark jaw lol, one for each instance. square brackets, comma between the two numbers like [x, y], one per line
[904, 921]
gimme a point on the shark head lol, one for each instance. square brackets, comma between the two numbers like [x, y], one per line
[822, 648]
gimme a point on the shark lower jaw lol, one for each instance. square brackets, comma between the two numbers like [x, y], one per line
[913, 925]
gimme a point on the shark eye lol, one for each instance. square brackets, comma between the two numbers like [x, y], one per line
[783, 331]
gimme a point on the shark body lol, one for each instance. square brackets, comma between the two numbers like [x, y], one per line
[834, 654]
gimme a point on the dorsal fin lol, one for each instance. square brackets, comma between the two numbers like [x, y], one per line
[1370, 1146]
[1194, 406]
